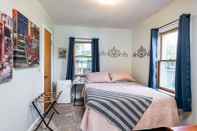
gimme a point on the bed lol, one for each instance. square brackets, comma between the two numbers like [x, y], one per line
[162, 112]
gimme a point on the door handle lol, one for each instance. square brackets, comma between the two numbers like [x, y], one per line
[45, 77]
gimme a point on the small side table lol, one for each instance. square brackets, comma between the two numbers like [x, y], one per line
[77, 97]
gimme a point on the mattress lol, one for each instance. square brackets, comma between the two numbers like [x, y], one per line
[162, 112]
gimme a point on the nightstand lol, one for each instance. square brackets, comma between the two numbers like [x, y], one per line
[77, 98]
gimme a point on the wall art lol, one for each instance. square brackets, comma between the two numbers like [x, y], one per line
[141, 52]
[26, 41]
[114, 53]
[6, 48]
[62, 52]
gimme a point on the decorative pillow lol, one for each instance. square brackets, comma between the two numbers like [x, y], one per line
[98, 77]
[118, 77]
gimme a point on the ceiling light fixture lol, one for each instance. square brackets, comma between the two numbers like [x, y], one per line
[108, 2]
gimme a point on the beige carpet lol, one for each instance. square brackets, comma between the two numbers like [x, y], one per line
[68, 120]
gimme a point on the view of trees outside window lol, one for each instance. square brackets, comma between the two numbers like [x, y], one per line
[83, 58]
[167, 62]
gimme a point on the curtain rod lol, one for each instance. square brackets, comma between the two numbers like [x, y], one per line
[82, 42]
[169, 23]
[83, 38]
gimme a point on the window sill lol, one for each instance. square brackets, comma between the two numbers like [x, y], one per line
[167, 92]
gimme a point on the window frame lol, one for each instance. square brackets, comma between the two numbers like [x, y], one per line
[160, 60]
[77, 43]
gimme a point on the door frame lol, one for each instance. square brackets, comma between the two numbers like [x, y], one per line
[42, 52]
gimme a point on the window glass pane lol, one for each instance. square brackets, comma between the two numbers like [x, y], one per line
[167, 75]
[82, 65]
[83, 58]
[169, 45]
[83, 49]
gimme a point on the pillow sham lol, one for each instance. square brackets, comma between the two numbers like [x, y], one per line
[98, 77]
[122, 77]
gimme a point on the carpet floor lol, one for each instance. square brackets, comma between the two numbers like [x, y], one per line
[69, 118]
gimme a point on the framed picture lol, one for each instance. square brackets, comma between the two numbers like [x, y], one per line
[6, 48]
[26, 42]
[62, 52]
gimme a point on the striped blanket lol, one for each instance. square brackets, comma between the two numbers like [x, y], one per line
[123, 110]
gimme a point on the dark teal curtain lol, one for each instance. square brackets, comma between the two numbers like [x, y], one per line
[70, 61]
[153, 82]
[95, 55]
[183, 71]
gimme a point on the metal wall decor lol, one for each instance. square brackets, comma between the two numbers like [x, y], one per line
[141, 52]
[114, 53]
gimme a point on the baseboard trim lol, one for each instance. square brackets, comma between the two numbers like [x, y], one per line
[33, 125]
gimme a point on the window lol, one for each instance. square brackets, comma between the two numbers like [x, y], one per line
[167, 60]
[83, 58]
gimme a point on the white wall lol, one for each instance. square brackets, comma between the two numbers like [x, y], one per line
[120, 38]
[194, 9]
[193, 67]
[16, 96]
[193, 118]
[140, 67]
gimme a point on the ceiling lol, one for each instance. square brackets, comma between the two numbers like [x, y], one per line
[123, 14]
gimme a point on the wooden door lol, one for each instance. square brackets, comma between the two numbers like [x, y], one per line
[47, 67]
